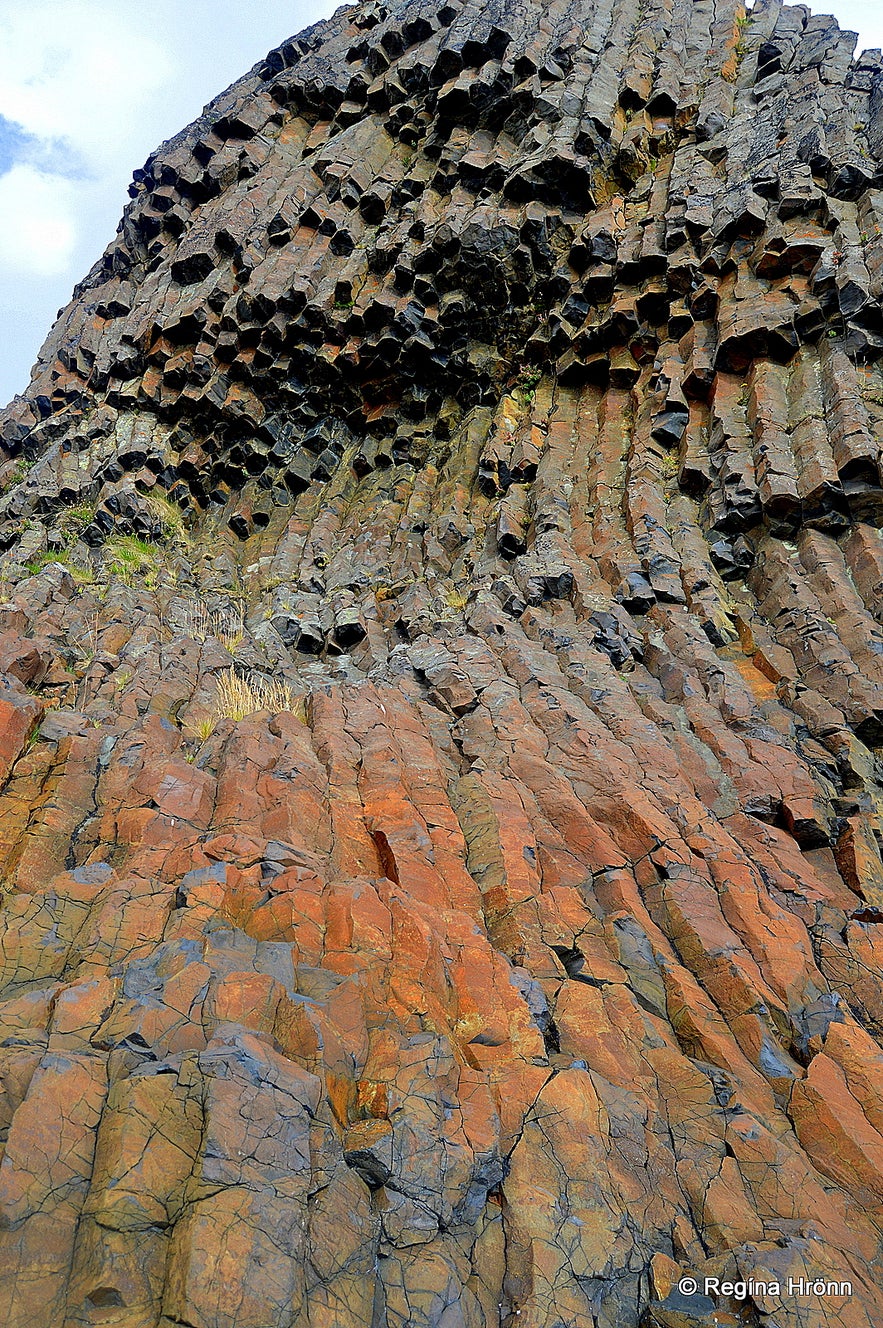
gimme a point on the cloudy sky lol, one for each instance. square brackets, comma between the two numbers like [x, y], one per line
[88, 88]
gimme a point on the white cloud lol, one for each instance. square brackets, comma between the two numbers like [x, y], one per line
[81, 71]
[76, 79]
[37, 222]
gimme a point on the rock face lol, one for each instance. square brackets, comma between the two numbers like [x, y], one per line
[442, 693]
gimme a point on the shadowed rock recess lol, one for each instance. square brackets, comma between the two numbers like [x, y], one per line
[442, 707]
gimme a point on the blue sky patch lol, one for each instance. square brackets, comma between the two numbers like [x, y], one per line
[54, 156]
[15, 144]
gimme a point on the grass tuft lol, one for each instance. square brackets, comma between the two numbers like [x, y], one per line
[83, 576]
[168, 516]
[131, 559]
[238, 696]
[226, 625]
[205, 728]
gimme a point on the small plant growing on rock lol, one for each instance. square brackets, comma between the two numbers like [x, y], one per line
[72, 521]
[15, 476]
[456, 599]
[84, 576]
[132, 559]
[205, 728]
[384, 591]
[168, 516]
[32, 738]
[226, 625]
[238, 696]
[87, 647]
[669, 465]
[527, 385]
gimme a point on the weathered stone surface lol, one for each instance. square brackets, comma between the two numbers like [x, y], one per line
[441, 693]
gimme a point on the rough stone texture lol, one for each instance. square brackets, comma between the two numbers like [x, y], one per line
[505, 381]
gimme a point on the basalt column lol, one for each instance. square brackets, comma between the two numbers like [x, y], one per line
[441, 713]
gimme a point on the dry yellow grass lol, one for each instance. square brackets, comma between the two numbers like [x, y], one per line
[168, 516]
[226, 625]
[205, 728]
[237, 696]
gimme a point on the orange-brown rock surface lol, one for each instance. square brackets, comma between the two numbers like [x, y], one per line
[442, 693]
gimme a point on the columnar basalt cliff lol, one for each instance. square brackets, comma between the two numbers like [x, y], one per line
[442, 693]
